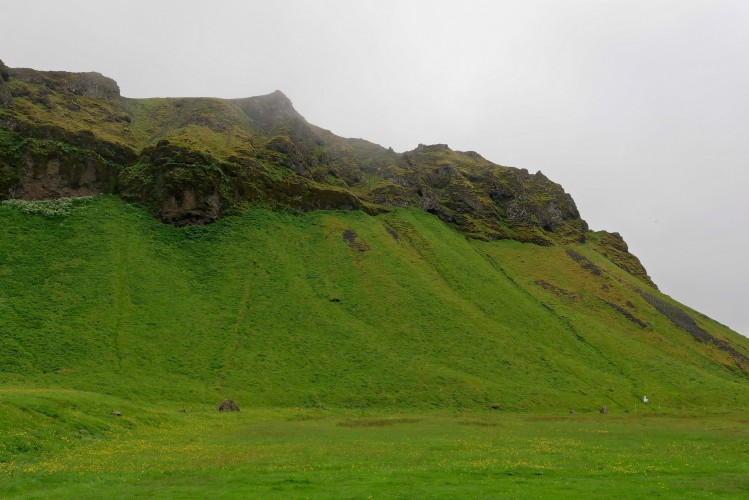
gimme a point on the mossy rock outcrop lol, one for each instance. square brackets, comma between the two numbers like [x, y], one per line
[192, 160]
[614, 248]
[6, 99]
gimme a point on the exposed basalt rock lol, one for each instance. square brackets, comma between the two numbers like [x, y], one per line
[394, 195]
[584, 262]
[115, 153]
[190, 207]
[94, 85]
[560, 292]
[58, 176]
[624, 312]
[195, 191]
[181, 185]
[485, 200]
[498, 202]
[305, 195]
[6, 99]
[392, 232]
[681, 319]
[228, 405]
[32, 169]
[533, 199]
[355, 241]
[83, 84]
[4, 75]
[293, 158]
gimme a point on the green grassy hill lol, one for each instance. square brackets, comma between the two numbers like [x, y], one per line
[427, 323]
[339, 309]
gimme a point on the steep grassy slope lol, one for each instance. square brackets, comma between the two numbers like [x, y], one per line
[338, 309]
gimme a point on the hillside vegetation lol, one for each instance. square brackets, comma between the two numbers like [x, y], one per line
[427, 323]
[367, 354]
[339, 309]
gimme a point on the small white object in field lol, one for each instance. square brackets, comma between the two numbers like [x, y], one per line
[645, 399]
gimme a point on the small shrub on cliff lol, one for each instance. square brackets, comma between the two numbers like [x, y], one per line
[49, 208]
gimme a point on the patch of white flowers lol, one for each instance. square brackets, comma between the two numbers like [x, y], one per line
[59, 206]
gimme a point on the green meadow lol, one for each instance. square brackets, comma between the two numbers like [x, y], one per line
[296, 452]
[383, 356]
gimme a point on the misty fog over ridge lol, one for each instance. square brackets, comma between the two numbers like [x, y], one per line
[637, 108]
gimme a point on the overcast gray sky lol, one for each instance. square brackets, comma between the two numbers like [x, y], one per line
[639, 108]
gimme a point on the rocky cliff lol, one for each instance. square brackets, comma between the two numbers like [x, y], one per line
[192, 160]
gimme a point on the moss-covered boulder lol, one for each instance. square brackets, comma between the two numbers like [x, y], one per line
[614, 248]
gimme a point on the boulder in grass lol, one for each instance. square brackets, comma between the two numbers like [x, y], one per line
[116, 413]
[228, 405]
[603, 410]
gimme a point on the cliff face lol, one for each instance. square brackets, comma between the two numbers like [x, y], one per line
[193, 160]
[5, 97]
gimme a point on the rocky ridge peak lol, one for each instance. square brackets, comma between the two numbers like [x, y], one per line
[6, 99]
[270, 110]
[4, 75]
[193, 160]
[90, 84]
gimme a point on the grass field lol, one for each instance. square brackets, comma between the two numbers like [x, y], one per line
[364, 364]
[290, 453]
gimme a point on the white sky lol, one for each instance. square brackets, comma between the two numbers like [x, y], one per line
[639, 108]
